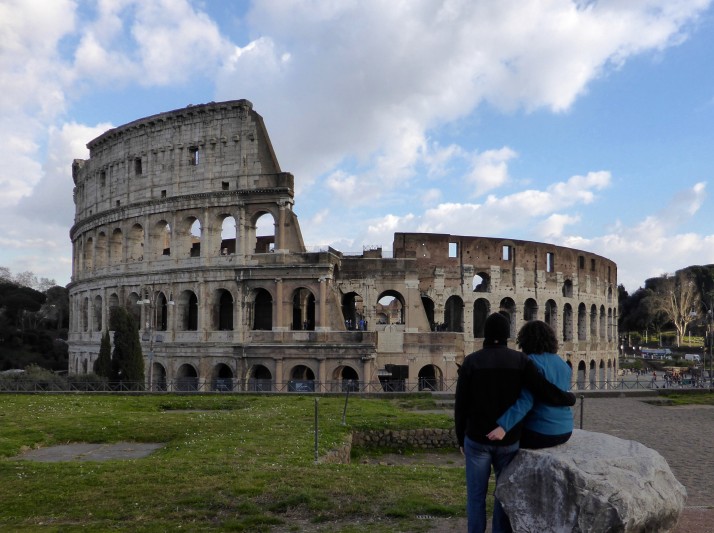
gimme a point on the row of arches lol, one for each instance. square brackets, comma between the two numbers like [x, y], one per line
[176, 237]
[218, 313]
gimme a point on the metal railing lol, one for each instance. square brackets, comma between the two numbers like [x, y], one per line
[228, 385]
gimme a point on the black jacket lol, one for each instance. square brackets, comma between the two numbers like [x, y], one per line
[489, 382]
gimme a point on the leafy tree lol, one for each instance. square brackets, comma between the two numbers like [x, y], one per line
[103, 364]
[127, 359]
[56, 308]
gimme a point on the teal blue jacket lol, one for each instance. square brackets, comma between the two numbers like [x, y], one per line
[540, 417]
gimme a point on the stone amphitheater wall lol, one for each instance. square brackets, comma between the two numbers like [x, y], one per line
[167, 225]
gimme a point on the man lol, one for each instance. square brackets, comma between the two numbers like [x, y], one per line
[490, 381]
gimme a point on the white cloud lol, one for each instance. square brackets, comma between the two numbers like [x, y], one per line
[490, 170]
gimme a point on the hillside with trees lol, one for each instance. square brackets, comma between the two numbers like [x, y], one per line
[671, 308]
[34, 320]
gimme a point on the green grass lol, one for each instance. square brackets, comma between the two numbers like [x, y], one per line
[686, 399]
[230, 463]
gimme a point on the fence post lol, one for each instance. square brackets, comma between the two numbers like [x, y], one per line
[344, 411]
[317, 431]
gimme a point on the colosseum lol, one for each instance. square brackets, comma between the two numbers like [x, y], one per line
[167, 225]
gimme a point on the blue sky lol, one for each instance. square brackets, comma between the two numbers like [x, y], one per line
[583, 124]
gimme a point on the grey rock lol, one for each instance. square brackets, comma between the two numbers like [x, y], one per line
[594, 483]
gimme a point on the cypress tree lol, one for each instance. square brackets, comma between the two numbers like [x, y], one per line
[127, 359]
[103, 364]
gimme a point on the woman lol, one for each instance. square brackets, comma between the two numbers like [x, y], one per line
[543, 425]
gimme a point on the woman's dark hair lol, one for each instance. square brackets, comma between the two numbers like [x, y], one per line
[537, 337]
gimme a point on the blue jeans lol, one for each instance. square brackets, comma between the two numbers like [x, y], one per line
[479, 458]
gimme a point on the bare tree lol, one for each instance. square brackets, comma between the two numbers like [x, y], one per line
[678, 299]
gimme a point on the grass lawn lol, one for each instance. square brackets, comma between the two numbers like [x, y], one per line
[230, 463]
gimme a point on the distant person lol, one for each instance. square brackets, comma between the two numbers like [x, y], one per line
[490, 381]
[544, 425]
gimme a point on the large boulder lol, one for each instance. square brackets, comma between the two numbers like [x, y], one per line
[593, 483]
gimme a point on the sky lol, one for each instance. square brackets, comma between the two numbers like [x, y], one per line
[585, 123]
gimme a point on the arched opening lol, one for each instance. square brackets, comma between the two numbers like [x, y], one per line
[508, 307]
[136, 243]
[195, 232]
[603, 329]
[161, 239]
[260, 379]
[116, 246]
[582, 322]
[113, 301]
[454, 314]
[610, 324]
[481, 282]
[222, 378]
[581, 375]
[353, 311]
[347, 378]
[593, 322]
[390, 307]
[604, 379]
[186, 378]
[262, 310]
[263, 233]
[100, 250]
[530, 310]
[162, 312]
[97, 313]
[85, 314]
[592, 374]
[188, 311]
[158, 377]
[567, 323]
[568, 288]
[482, 308]
[228, 235]
[224, 310]
[89, 254]
[551, 314]
[428, 305]
[430, 378]
[302, 379]
[303, 309]
[132, 305]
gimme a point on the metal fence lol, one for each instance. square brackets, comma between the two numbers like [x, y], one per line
[226, 385]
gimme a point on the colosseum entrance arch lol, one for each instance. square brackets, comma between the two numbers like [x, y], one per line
[302, 379]
[581, 375]
[530, 310]
[431, 378]
[346, 379]
[158, 377]
[260, 379]
[186, 378]
[224, 310]
[222, 378]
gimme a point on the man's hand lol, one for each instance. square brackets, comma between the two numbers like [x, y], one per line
[497, 434]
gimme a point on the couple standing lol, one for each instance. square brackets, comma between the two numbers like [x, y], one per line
[506, 399]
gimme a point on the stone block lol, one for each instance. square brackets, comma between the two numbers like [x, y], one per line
[591, 484]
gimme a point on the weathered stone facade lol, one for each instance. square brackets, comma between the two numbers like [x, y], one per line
[166, 224]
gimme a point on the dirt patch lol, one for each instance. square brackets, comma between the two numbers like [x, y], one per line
[91, 452]
[454, 459]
